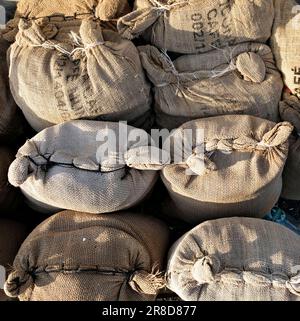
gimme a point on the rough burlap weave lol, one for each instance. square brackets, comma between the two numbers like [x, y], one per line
[70, 166]
[11, 125]
[195, 26]
[236, 259]
[74, 69]
[285, 42]
[290, 111]
[12, 234]
[82, 257]
[241, 79]
[244, 158]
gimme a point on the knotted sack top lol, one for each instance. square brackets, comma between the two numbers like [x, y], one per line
[65, 70]
[105, 10]
[109, 257]
[87, 165]
[231, 146]
[253, 62]
[241, 79]
[236, 259]
[196, 26]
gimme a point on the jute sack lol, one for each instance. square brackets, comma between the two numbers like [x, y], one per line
[12, 234]
[195, 26]
[241, 79]
[71, 166]
[290, 111]
[73, 70]
[103, 9]
[285, 42]
[243, 159]
[8, 194]
[76, 256]
[10, 120]
[43, 10]
[236, 259]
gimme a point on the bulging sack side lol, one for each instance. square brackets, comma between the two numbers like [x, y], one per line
[232, 259]
[72, 166]
[290, 111]
[101, 258]
[11, 122]
[285, 42]
[76, 70]
[241, 79]
[243, 159]
[196, 26]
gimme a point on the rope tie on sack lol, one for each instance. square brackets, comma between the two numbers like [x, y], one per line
[145, 282]
[250, 65]
[200, 163]
[30, 161]
[76, 40]
[207, 269]
[167, 7]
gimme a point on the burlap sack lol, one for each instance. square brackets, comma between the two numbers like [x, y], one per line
[244, 158]
[290, 111]
[42, 11]
[63, 167]
[73, 70]
[11, 125]
[241, 79]
[103, 9]
[236, 259]
[75, 256]
[195, 26]
[12, 234]
[8, 194]
[285, 42]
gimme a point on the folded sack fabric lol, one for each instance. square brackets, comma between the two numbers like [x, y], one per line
[285, 42]
[76, 256]
[71, 166]
[243, 159]
[195, 26]
[74, 69]
[236, 259]
[240, 79]
[290, 111]
[12, 234]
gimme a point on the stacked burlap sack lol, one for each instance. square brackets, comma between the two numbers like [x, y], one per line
[105, 10]
[75, 256]
[243, 159]
[74, 69]
[290, 111]
[236, 259]
[11, 125]
[12, 234]
[89, 166]
[241, 79]
[285, 42]
[196, 26]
